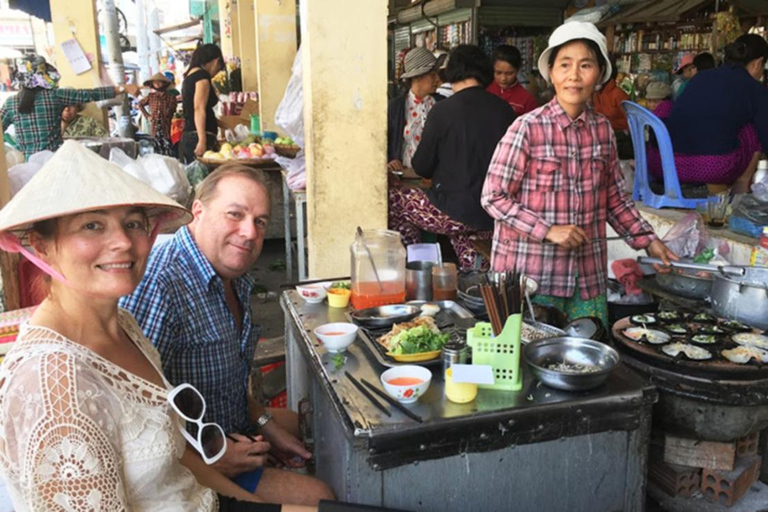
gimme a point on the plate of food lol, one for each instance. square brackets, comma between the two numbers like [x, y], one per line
[751, 339]
[415, 341]
[651, 336]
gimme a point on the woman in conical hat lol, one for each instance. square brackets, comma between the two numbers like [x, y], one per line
[87, 420]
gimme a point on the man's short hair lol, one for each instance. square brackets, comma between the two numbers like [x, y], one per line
[206, 189]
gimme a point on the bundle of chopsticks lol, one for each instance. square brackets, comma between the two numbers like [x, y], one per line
[503, 295]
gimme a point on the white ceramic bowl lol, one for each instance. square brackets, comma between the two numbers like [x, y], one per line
[313, 293]
[336, 337]
[409, 392]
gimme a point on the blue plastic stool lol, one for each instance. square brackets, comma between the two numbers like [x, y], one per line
[638, 118]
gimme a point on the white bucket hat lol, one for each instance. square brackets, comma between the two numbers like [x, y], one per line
[77, 180]
[569, 32]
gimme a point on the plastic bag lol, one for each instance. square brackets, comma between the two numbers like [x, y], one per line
[690, 238]
[164, 174]
[196, 172]
[290, 113]
[12, 156]
[748, 215]
[21, 173]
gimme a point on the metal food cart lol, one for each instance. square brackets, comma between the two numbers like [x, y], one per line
[535, 450]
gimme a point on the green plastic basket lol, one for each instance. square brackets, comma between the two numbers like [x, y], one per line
[501, 352]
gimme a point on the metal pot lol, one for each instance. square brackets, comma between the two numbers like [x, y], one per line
[743, 298]
[685, 284]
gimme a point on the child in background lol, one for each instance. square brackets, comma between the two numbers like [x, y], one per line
[506, 64]
[162, 106]
[657, 99]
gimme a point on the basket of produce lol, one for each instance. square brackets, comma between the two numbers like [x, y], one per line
[285, 146]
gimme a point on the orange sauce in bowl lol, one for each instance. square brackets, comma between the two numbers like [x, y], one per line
[333, 333]
[405, 381]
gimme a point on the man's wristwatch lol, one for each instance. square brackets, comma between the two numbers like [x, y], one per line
[263, 420]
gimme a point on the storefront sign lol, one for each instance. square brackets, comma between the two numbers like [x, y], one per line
[16, 33]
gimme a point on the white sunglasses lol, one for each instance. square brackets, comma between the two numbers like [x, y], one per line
[211, 443]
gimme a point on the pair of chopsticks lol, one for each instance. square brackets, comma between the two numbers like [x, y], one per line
[391, 401]
[503, 297]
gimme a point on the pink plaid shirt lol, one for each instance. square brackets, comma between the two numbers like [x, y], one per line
[550, 170]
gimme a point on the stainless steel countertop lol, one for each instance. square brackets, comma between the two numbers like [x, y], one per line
[541, 411]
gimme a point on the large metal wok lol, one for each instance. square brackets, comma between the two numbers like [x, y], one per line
[686, 282]
[739, 293]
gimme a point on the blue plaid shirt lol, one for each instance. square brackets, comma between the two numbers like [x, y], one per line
[181, 308]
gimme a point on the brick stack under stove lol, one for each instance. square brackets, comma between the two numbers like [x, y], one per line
[721, 472]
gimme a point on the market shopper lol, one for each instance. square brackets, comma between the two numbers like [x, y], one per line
[607, 100]
[456, 146]
[162, 107]
[685, 71]
[85, 417]
[658, 99]
[36, 110]
[721, 121]
[407, 113]
[198, 97]
[506, 66]
[194, 306]
[75, 124]
[554, 181]
[703, 61]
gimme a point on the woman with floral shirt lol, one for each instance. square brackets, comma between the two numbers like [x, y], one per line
[554, 181]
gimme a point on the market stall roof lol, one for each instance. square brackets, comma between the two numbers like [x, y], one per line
[754, 7]
[656, 10]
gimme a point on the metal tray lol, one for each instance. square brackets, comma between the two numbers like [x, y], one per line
[452, 318]
[384, 316]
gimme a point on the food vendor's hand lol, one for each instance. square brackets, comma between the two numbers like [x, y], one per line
[132, 89]
[569, 237]
[243, 455]
[395, 165]
[658, 249]
[200, 149]
[285, 447]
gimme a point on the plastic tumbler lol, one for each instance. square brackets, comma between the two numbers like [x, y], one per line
[445, 279]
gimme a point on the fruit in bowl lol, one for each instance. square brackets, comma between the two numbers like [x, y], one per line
[336, 337]
[313, 293]
[406, 383]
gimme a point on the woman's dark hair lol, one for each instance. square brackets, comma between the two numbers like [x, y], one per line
[703, 61]
[509, 54]
[593, 47]
[27, 99]
[745, 49]
[468, 61]
[204, 54]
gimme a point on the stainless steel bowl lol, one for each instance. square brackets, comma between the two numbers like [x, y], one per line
[575, 351]
[385, 316]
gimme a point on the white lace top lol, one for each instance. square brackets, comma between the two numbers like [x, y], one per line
[78, 432]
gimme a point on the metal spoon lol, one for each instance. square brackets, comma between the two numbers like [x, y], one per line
[370, 257]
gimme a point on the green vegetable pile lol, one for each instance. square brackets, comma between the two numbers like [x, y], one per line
[341, 284]
[417, 340]
[704, 256]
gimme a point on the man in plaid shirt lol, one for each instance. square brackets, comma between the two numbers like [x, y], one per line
[554, 181]
[194, 306]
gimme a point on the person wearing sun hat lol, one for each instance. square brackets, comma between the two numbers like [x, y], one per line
[555, 181]
[36, 109]
[84, 412]
[407, 114]
[684, 71]
[162, 106]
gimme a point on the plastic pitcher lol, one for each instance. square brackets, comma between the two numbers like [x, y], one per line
[378, 269]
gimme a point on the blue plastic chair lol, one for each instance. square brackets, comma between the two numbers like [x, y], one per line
[638, 118]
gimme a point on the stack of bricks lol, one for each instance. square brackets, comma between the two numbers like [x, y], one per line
[723, 472]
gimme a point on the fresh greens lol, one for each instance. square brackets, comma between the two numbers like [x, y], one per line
[704, 256]
[417, 340]
[338, 360]
[341, 284]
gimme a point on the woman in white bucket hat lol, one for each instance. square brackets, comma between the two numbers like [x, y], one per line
[85, 418]
[554, 181]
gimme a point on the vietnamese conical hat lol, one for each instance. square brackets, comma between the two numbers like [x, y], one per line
[77, 180]
[157, 77]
